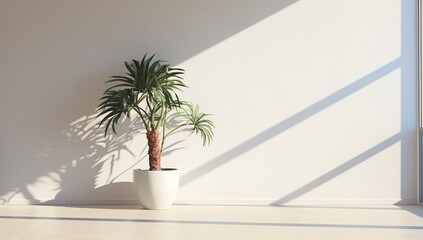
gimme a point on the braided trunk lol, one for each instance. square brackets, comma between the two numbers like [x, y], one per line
[154, 151]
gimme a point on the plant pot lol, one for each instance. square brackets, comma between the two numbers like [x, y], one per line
[156, 189]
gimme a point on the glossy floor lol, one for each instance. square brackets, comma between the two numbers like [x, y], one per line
[211, 222]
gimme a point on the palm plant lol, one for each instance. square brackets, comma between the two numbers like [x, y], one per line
[149, 90]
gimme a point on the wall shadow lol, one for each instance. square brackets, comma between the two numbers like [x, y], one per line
[289, 122]
[405, 137]
[91, 152]
[175, 29]
[188, 27]
[339, 170]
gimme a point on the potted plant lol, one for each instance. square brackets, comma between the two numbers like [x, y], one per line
[149, 91]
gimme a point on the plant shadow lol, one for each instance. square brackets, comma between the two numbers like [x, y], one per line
[95, 155]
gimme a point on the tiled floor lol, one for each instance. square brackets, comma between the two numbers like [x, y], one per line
[211, 222]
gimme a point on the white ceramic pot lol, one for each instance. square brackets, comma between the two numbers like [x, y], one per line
[156, 189]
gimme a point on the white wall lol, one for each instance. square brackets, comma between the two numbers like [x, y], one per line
[314, 101]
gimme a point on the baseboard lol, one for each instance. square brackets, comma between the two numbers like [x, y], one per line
[224, 202]
[74, 202]
[299, 202]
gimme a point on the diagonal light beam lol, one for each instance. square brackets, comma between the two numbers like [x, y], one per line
[340, 169]
[289, 122]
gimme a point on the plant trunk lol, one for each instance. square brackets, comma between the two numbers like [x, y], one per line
[154, 151]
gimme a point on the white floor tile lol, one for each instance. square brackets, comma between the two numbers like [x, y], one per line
[211, 222]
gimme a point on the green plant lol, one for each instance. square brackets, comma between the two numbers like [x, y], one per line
[149, 90]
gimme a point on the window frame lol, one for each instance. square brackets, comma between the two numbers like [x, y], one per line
[419, 104]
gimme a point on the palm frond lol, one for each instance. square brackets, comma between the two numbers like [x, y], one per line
[114, 104]
[198, 122]
[150, 88]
